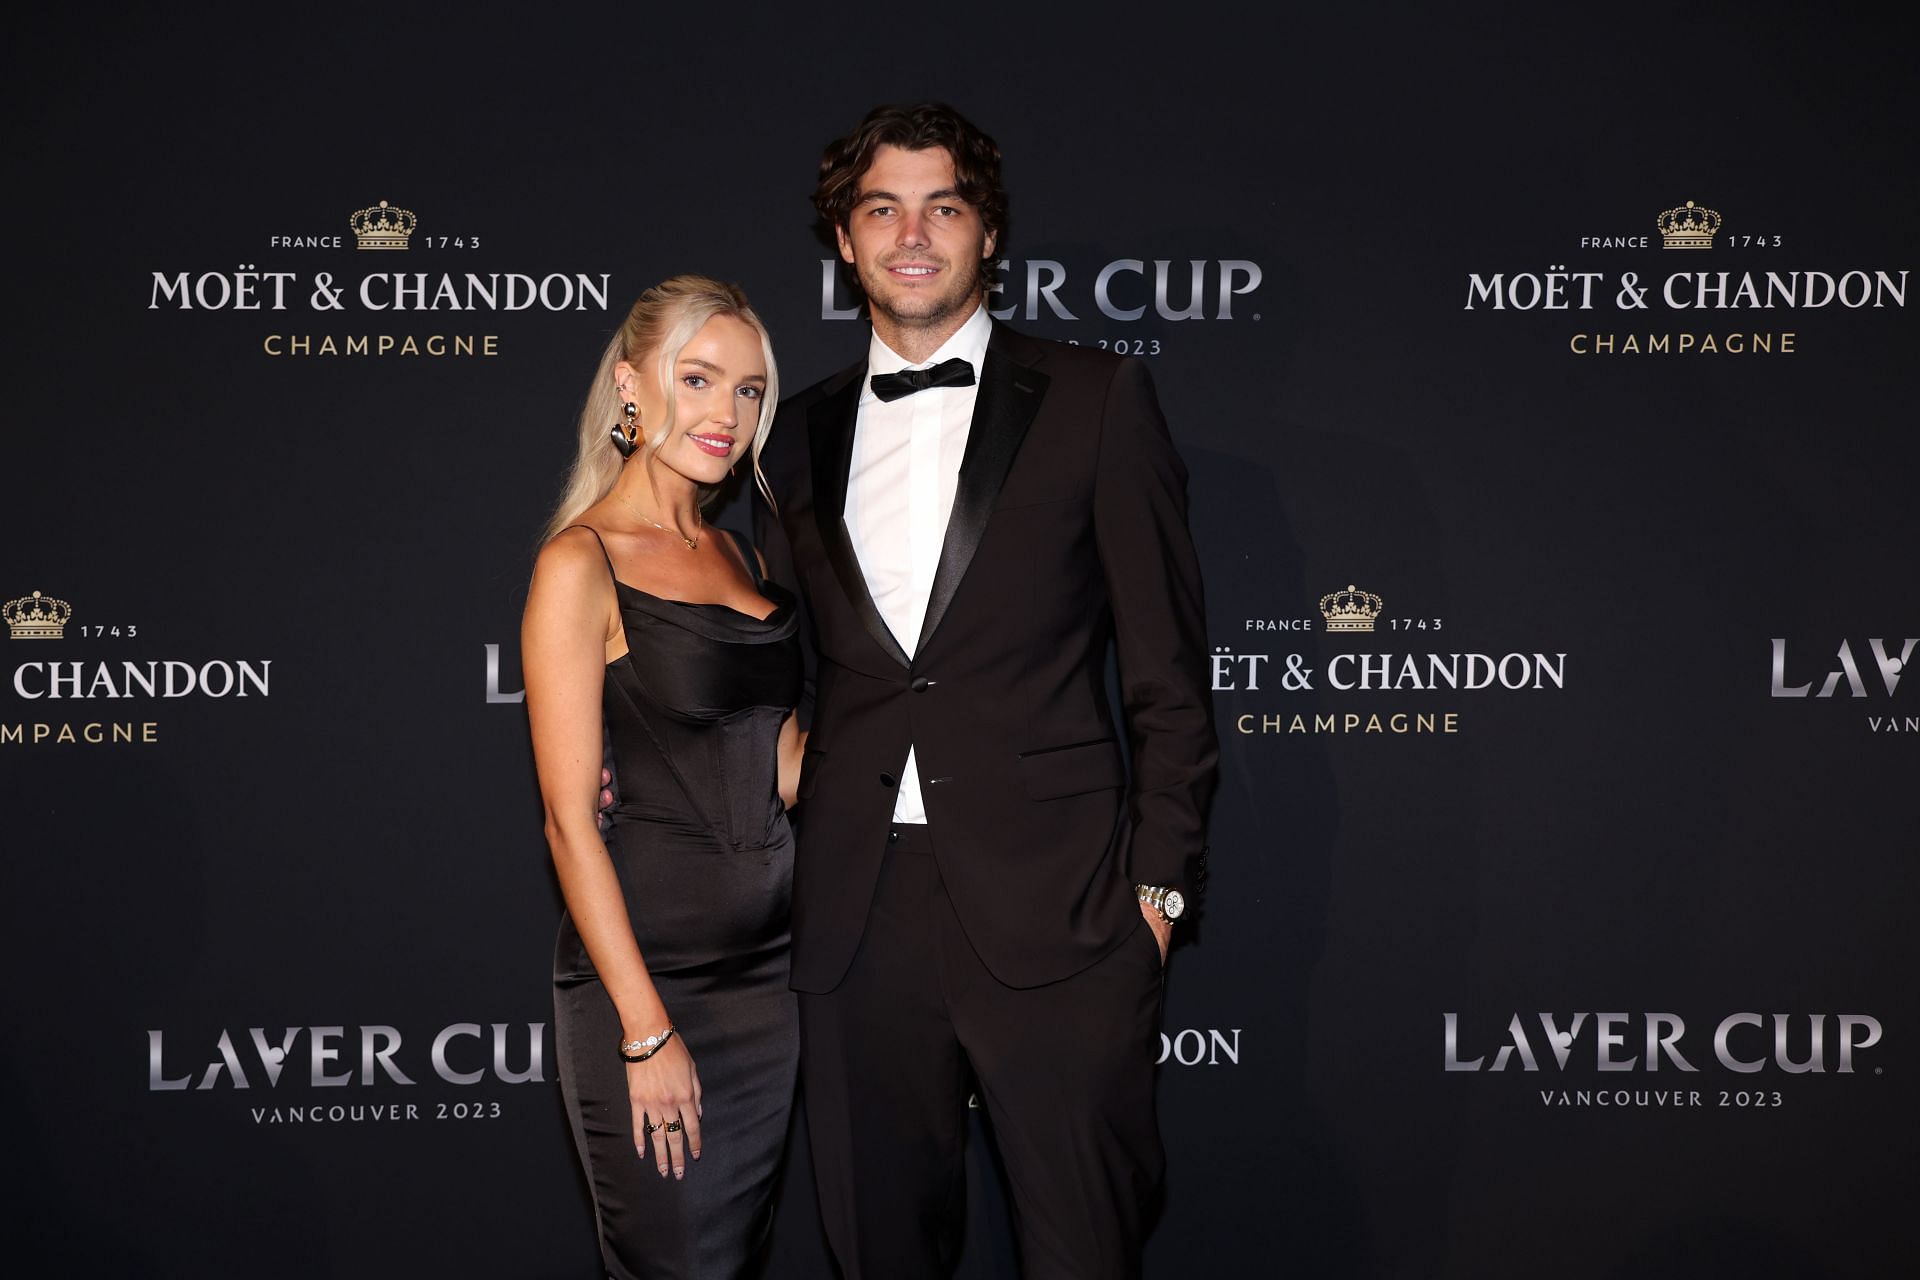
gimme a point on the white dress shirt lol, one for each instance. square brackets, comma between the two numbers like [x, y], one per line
[900, 487]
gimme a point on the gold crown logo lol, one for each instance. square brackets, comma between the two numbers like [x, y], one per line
[1351, 610]
[382, 227]
[1691, 227]
[36, 617]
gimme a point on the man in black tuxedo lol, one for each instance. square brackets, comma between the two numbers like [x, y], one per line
[982, 892]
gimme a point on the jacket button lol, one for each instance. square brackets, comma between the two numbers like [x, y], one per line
[888, 780]
[919, 684]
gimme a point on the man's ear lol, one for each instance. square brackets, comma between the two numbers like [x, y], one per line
[846, 245]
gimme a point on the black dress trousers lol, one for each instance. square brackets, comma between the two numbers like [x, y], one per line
[1065, 1071]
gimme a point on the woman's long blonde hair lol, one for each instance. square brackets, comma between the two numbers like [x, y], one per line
[661, 322]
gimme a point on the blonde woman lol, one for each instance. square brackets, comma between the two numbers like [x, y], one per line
[659, 636]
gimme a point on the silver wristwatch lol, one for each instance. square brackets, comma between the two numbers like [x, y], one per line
[1168, 902]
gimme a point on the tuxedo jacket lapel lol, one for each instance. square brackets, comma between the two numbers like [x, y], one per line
[1009, 396]
[830, 442]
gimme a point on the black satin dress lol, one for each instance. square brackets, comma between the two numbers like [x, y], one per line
[700, 843]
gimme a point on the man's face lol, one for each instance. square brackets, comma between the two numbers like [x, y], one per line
[915, 244]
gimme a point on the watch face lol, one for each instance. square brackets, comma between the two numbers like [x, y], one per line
[1174, 905]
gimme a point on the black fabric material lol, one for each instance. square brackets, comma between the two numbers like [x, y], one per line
[1068, 536]
[1009, 396]
[948, 373]
[1064, 1071]
[830, 422]
[704, 855]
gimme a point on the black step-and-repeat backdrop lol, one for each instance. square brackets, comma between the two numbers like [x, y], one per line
[1547, 390]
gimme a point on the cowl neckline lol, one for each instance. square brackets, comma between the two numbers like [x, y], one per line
[718, 621]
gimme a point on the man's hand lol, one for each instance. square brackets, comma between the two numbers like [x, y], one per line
[1162, 929]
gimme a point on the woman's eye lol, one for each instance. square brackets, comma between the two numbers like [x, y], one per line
[695, 381]
[751, 393]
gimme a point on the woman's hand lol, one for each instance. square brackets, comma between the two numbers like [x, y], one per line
[665, 1093]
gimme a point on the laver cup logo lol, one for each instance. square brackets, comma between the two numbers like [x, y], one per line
[373, 1073]
[1130, 306]
[1876, 681]
[1588, 1057]
[461, 1053]
[1125, 289]
[1745, 1043]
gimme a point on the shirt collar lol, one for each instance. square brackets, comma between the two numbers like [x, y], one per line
[969, 343]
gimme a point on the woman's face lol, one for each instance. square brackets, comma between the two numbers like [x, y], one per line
[718, 380]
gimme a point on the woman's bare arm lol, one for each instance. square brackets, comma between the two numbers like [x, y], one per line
[563, 653]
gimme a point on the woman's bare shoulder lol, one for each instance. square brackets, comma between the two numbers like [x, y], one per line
[572, 563]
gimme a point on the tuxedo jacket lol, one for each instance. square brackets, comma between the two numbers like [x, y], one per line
[1069, 531]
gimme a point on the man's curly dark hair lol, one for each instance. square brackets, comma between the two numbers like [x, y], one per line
[976, 163]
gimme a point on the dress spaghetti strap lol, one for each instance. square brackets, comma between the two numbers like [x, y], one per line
[749, 557]
[603, 547]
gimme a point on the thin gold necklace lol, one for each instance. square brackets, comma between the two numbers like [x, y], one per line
[692, 543]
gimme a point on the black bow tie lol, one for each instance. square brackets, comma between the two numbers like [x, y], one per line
[948, 373]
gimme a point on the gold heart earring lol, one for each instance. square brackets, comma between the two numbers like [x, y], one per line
[626, 432]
